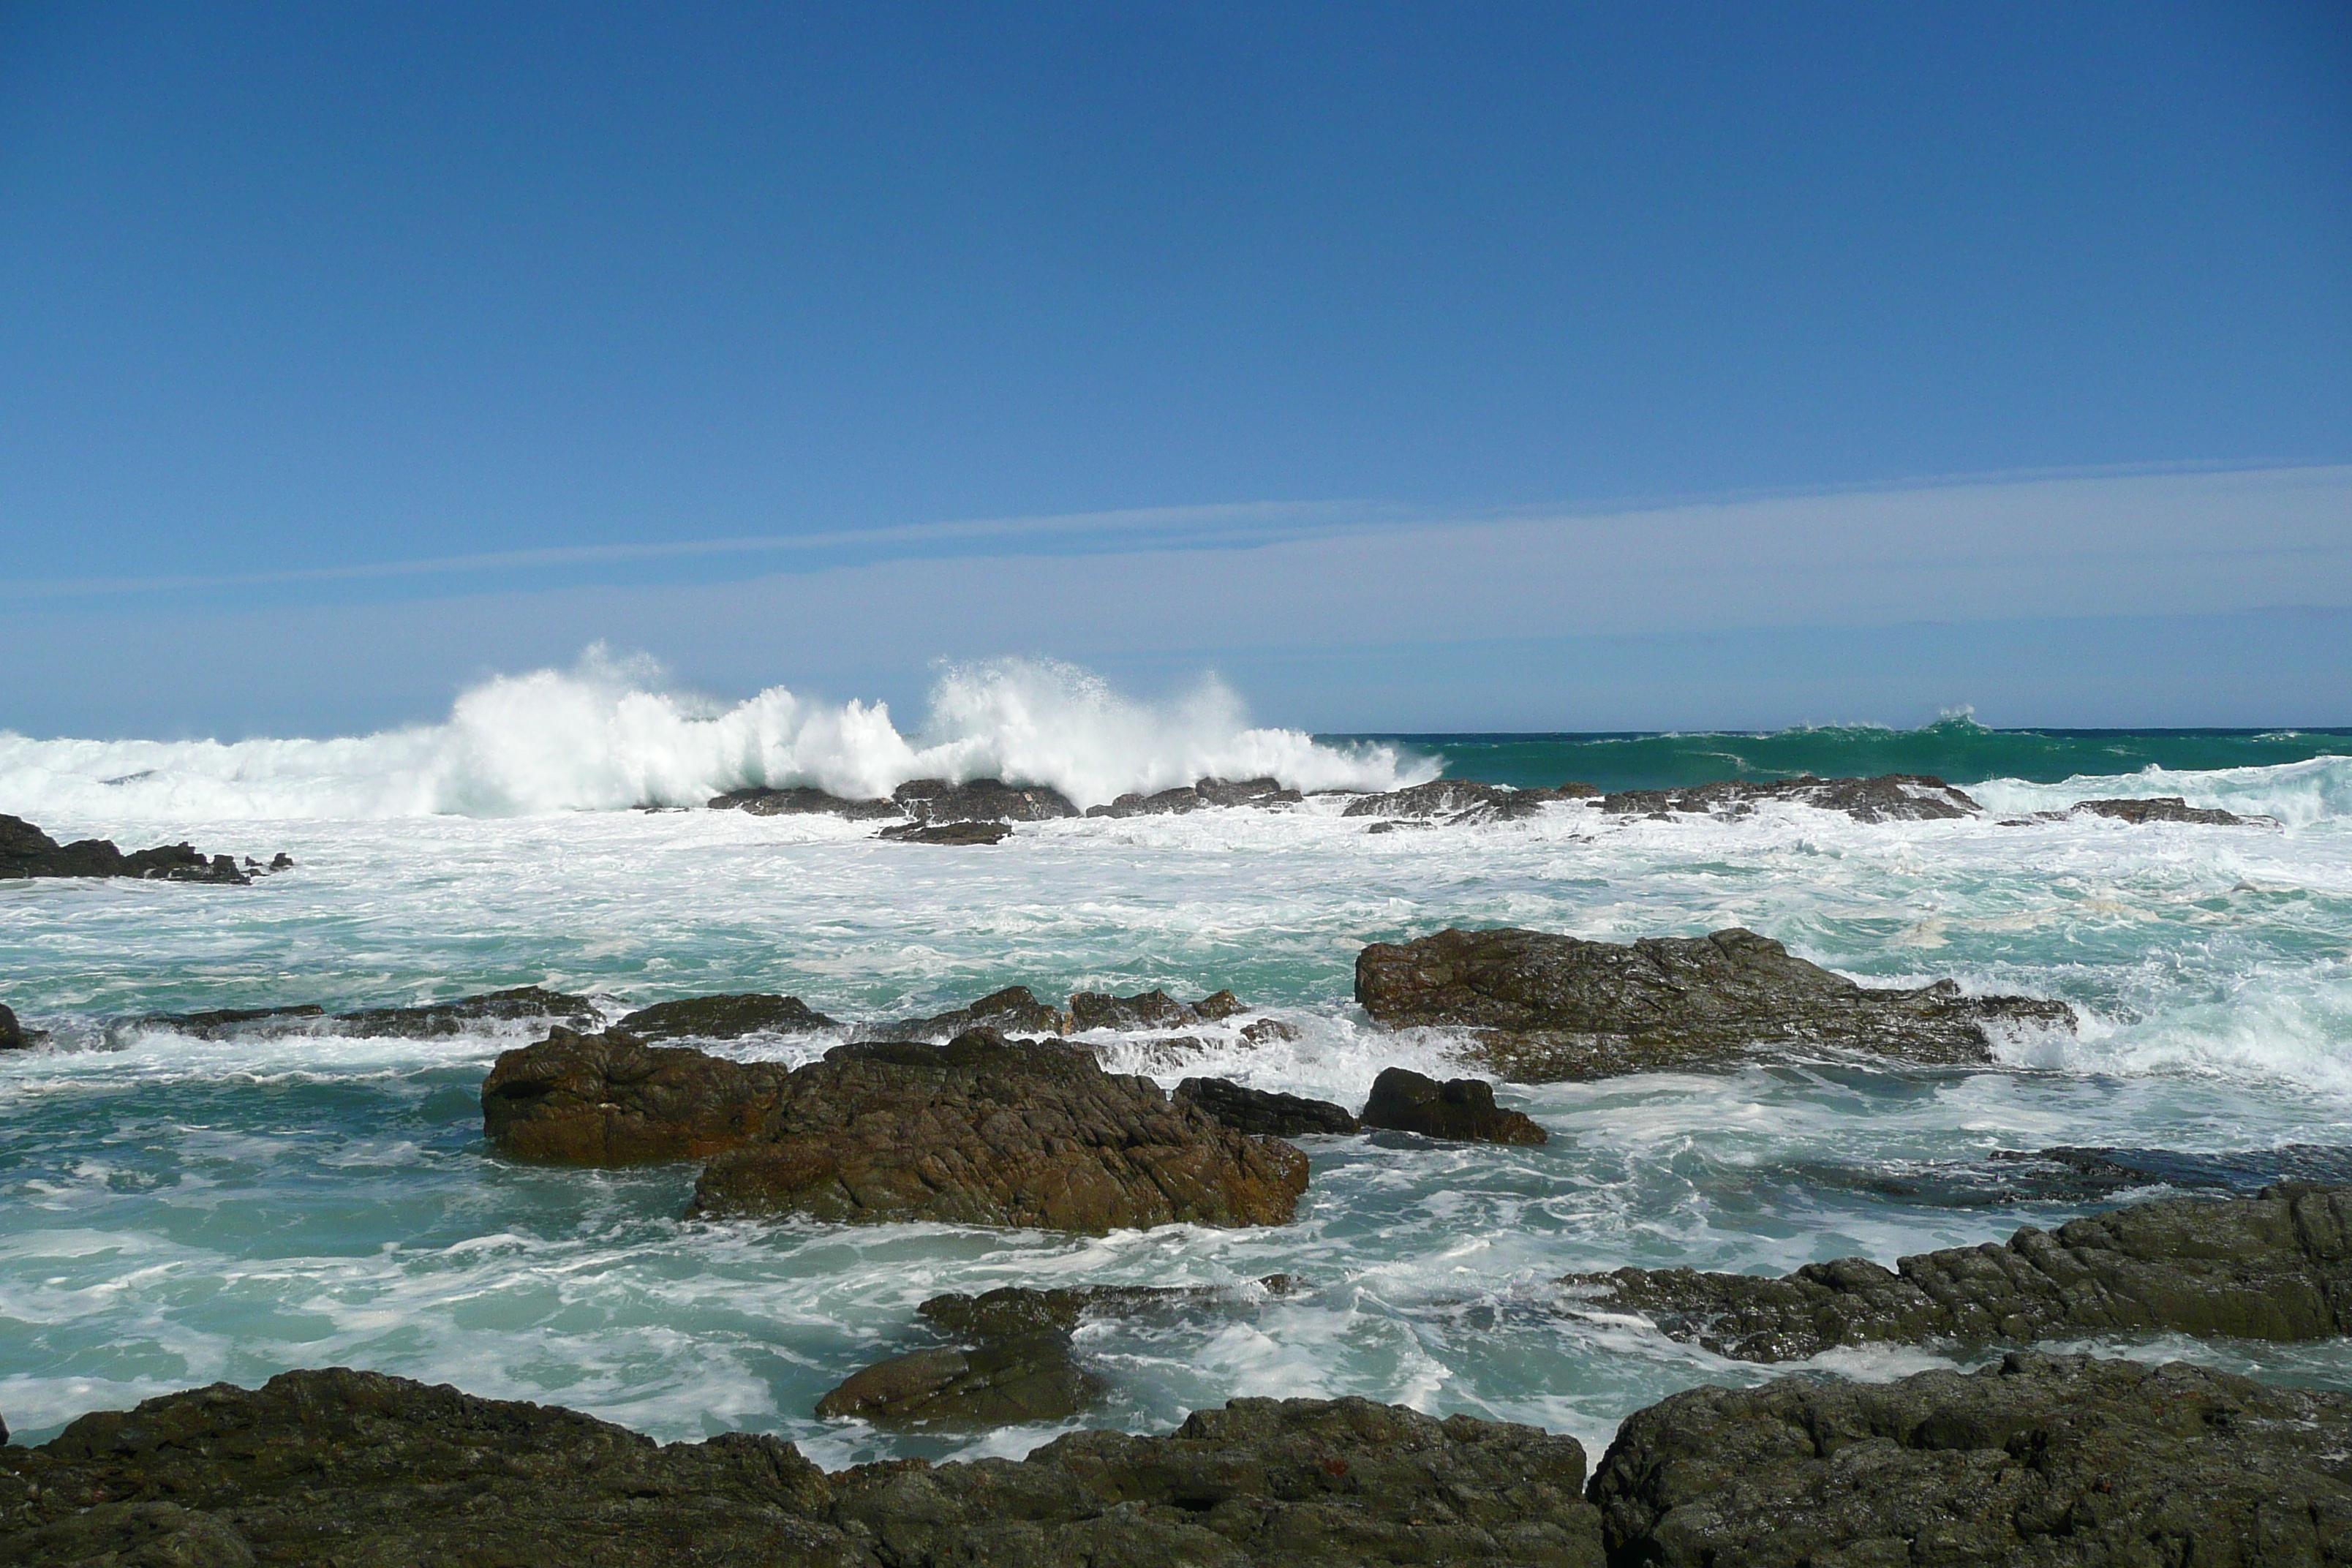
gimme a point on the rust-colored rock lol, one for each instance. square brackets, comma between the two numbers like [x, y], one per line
[612, 1100]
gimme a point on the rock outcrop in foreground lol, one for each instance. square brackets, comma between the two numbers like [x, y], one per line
[1549, 1008]
[357, 1468]
[2276, 1266]
[1462, 1109]
[2046, 1460]
[25, 851]
[1265, 1111]
[981, 1130]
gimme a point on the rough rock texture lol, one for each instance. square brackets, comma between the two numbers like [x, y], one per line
[1553, 1008]
[981, 800]
[26, 851]
[1463, 801]
[804, 802]
[1003, 1381]
[961, 833]
[1889, 797]
[433, 1020]
[13, 1037]
[986, 1131]
[356, 1468]
[1209, 791]
[723, 1017]
[610, 1099]
[2163, 808]
[1262, 1112]
[2277, 1265]
[2052, 1461]
[1015, 1010]
[1463, 1109]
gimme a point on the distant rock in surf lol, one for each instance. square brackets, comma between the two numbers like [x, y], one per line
[25, 851]
[964, 833]
[804, 802]
[1545, 1008]
[1462, 1110]
[1264, 1112]
[1464, 802]
[1017, 1010]
[2274, 1267]
[987, 1131]
[1208, 792]
[1889, 797]
[430, 1020]
[981, 800]
[728, 1017]
[2151, 808]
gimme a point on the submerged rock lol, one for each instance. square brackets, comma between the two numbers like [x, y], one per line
[358, 1468]
[1017, 1010]
[610, 1099]
[2276, 1267]
[1209, 791]
[1264, 1112]
[1889, 797]
[25, 851]
[802, 801]
[1462, 1109]
[2052, 1460]
[987, 1131]
[981, 800]
[1548, 1008]
[432, 1020]
[724, 1018]
[947, 833]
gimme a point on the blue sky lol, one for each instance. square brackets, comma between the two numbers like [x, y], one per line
[1464, 347]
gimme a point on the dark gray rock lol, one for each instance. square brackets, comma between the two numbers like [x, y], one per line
[1144, 1010]
[351, 1468]
[724, 1018]
[25, 851]
[1262, 1112]
[981, 800]
[1462, 1109]
[12, 1033]
[2274, 1267]
[1545, 1008]
[987, 1131]
[1464, 802]
[1889, 797]
[802, 801]
[222, 1023]
[953, 833]
[1006, 1382]
[1208, 792]
[2055, 1461]
[1015, 1010]
[433, 1020]
[2166, 808]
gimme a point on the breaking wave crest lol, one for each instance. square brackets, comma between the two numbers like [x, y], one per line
[610, 732]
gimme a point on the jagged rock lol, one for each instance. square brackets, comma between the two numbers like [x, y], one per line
[724, 1018]
[1889, 797]
[610, 1099]
[26, 851]
[947, 833]
[12, 1039]
[1006, 1381]
[1462, 1109]
[1463, 801]
[987, 1131]
[2277, 1265]
[1547, 1008]
[2057, 1461]
[1015, 1010]
[2164, 808]
[1261, 1111]
[437, 1020]
[1263, 1030]
[221, 1023]
[1144, 1010]
[981, 800]
[1209, 791]
[802, 801]
[357, 1468]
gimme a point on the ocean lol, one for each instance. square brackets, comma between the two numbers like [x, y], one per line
[180, 1210]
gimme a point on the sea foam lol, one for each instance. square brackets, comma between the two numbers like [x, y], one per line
[611, 732]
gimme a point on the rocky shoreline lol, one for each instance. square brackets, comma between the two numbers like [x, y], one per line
[26, 852]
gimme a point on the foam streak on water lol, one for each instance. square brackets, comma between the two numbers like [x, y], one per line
[176, 1210]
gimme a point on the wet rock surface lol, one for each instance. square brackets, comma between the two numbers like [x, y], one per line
[2053, 1460]
[1207, 792]
[1548, 1008]
[2274, 1267]
[1889, 797]
[1006, 1381]
[356, 1467]
[984, 1130]
[981, 800]
[13, 1037]
[1016, 1010]
[1264, 1111]
[610, 1099]
[805, 802]
[1461, 1109]
[952, 833]
[26, 852]
[1463, 802]
[2164, 808]
[724, 1018]
[431, 1020]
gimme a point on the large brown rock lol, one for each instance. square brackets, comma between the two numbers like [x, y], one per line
[987, 1131]
[2276, 1267]
[612, 1100]
[1545, 1008]
[1462, 1109]
[1889, 797]
[2053, 1461]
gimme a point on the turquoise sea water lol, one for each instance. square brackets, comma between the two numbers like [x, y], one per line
[179, 1210]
